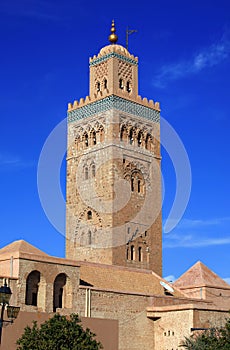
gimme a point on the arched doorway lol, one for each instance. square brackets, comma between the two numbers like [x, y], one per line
[32, 288]
[58, 296]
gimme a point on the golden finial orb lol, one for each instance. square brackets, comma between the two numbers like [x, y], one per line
[113, 37]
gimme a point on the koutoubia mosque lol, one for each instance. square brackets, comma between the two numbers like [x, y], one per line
[112, 273]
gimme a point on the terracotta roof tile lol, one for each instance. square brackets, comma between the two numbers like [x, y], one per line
[200, 275]
[22, 247]
[122, 279]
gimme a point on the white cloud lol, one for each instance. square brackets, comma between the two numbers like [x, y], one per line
[193, 241]
[186, 224]
[207, 57]
[9, 162]
[197, 233]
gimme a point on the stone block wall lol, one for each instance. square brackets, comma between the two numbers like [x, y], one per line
[129, 310]
[49, 269]
[114, 191]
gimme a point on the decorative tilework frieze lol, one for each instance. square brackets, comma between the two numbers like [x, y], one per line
[114, 102]
[112, 54]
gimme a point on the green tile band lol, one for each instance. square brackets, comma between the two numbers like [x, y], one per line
[114, 102]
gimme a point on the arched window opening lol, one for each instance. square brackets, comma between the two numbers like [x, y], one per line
[138, 185]
[127, 253]
[132, 252]
[32, 288]
[94, 138]
[128, 86]
[93, 170]
[86, 173]
[139, 139]
[89, 238]
[86, 140]
[82, 239]
[98, 85]
[139, 254]
[123, 135]
[121, 84]
[105, 84]
[132, 184]
[131, 137]
[102, 134]
[89, 215]
[148, 142]
[58, 294]
[77, 142]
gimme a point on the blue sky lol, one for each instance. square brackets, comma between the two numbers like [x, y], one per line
[184, 62]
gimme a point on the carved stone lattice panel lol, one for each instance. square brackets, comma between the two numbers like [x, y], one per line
[125, 70]
[101, 71]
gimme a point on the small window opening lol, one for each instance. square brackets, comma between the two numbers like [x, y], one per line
[89, 238]
[138, 186]
[123, 134]
[98, 86]
[148, 142]
[131, 137]
[132, 252]
[127, 253]
[139, 254]
[101, 134]
[105, 84]
[94, 138]
[89, 215]
[93, 170]
[128, 88]
[132, 184]
[121, 85]
[139, 140]
[86, 140]
[86, 173]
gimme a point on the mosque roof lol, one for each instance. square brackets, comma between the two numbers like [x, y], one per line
[123, 279]
[199, 275]
[22, 246]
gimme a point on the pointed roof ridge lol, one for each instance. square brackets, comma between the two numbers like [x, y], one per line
[200, 275]
[22, 247]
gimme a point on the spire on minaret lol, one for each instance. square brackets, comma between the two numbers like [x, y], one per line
[113, 37]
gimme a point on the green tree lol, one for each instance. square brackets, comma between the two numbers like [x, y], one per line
[211, 339]
[58, 333]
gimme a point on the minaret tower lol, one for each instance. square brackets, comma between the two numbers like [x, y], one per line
[113, 167]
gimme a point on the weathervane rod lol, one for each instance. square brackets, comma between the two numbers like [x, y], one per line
[128, 32]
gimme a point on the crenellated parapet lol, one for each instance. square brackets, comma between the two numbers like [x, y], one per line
[102, 94]
[87, 107]
[114, 85]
